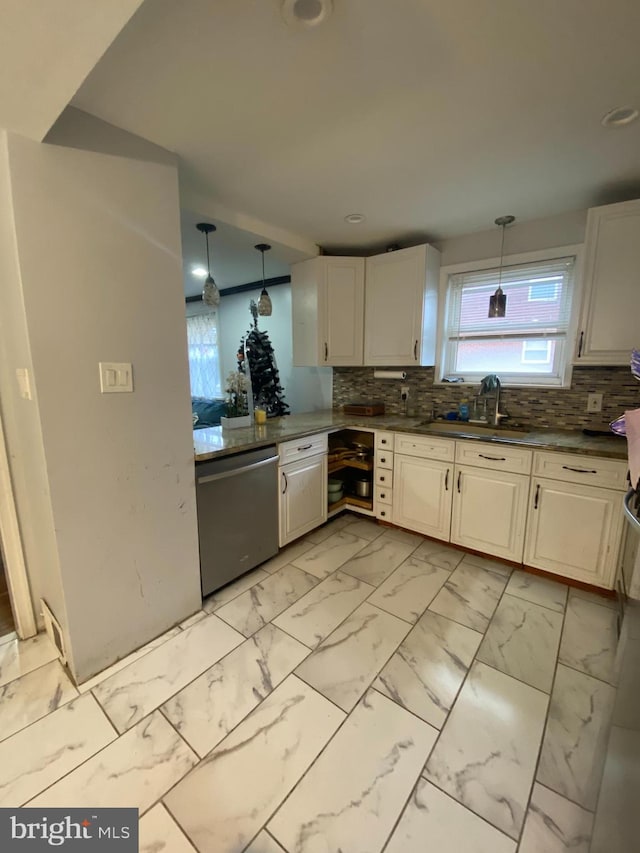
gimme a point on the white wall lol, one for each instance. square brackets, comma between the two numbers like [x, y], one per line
[21, 419]
[563, 230]
[100, 262]
[306, 388]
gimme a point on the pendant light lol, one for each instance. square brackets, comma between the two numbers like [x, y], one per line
[210, 292]
[498, 302]
[264, 303]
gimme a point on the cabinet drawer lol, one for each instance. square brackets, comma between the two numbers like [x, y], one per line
[384, 459]
[384, 495]
[425, 447]
[384, 440]
[573, 468]
[300, 448]
[383, 511]
[497, 457]
[384, 477]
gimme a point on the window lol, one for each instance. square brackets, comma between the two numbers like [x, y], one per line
[527, 346]
[204, 361]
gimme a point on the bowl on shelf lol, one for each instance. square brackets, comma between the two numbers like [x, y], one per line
[334, 485]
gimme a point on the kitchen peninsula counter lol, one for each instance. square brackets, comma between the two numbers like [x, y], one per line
[215, 442]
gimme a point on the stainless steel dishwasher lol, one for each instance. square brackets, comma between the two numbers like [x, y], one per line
[237, 500]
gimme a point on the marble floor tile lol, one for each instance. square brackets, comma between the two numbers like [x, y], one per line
[136, 770]
[414, 539]
[522, 640]
[590, 639]
[39, 755]
[594, 597]
[264, 843]
[333, 526]
[325, 558]
[195, 617]
[365, 528]
[439, 554]
[497, 566]
[345, 664]
[617, 822]
[286, 555]
[232, 590]
[470, 596]
[159, 833]
[378, 560]
[352, 796]
[543, 591]
[254, 608]
[18, 657]
[33, 696]
[135, 691]
[211, 706]
[426, 672]
[123, 662]
[226, 800]
[555, 825]
[487, 752]
[575, 741]
[410, 589]
[312, 618]
[433, 821]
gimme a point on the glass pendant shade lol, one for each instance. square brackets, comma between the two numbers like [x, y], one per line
[498, 301]
[210, 292]
[265, 307]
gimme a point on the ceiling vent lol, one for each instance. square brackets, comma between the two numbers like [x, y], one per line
[306, 13]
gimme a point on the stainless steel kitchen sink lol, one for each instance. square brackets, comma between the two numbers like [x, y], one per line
[463, 428]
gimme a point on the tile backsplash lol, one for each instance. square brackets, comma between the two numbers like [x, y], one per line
[564, 408]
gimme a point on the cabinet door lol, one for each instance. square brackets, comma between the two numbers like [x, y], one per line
[342, 311]
[303, 497]
[422, 495]
[611, 302]
[490, 511]
[574, 531]
[394, 291]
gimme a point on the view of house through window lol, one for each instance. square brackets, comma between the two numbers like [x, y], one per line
[204, 360]
[529, 344]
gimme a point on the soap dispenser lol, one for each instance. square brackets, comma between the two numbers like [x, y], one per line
[463, 410]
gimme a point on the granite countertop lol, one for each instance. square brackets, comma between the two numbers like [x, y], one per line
[215, 442]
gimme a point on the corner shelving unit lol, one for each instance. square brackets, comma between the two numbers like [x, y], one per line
[343, 463]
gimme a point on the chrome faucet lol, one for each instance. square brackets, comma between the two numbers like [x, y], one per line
[491, 385]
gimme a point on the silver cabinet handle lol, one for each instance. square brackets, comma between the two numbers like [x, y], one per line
[286, 482]
[580, 470]
[235, 472]
[493, 458]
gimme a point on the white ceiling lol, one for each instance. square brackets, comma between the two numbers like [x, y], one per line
[234, 258]
[430, 117]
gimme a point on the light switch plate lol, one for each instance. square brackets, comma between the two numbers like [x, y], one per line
[116, 377]
[24, 383]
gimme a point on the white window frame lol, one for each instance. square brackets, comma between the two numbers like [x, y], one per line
[564, 353]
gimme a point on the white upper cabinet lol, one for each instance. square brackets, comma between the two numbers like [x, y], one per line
[609, 327]
[401, 294]
[327, 295]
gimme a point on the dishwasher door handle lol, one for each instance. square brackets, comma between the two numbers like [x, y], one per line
[235, 472]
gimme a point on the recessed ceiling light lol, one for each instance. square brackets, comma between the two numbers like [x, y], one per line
[199, 272]
[619, 117]
[307, 13]
[354, 218]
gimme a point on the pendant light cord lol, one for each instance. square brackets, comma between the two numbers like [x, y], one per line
[504, 225]
[208, 262]
[263, 281]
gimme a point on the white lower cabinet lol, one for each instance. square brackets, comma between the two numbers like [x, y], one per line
[490, 511]
[422, 495]
[574, 530]
[303, 486]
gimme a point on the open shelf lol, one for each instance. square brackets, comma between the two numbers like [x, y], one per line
[351, 500]
[349, 463]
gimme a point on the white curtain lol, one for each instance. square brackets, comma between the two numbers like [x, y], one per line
[204, 356]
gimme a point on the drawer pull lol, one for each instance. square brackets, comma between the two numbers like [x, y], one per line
[580, 470]
[383, 441]
[493, 458]
[459, 477]
[446, 481]
[535, 502]
[383, 458]
[305, 447]
[383, 495]
[383, 513]
[382, 479]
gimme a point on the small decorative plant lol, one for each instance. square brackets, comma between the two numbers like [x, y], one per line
[237, 395]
